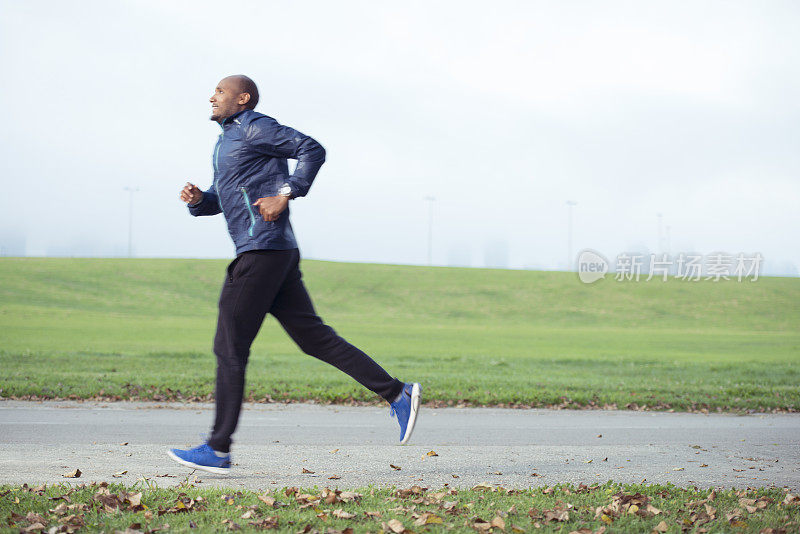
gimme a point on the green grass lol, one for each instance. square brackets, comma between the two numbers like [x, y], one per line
[143, 328]
[563, 508]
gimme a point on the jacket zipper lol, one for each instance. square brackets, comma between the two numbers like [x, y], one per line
[216, 167]
[250, 211]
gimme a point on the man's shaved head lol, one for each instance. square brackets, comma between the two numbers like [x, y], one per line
[244, 84]
[232, 95]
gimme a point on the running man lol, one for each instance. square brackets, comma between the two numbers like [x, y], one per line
[252, 188]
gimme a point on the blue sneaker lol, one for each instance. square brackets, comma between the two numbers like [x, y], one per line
[202, 457]
[406, 410]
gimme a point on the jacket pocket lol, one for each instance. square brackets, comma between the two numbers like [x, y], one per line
[247, 203]
[231, 267]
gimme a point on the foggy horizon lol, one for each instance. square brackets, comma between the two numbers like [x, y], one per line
[503, 117]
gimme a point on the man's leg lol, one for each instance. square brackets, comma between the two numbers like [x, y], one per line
[253, 279]
[292, 307]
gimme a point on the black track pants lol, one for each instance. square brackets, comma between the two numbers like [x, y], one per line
[269, 281]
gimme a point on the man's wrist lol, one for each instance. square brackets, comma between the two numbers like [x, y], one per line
[198, 202]
[285, 191]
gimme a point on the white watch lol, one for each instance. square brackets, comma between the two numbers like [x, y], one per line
[285, 190]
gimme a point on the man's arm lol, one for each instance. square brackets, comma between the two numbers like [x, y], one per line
[266, 135]
[200, 202]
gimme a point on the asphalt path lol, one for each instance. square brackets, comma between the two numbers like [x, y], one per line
[351, 447]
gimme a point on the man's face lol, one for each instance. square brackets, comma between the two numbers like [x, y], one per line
[225, 101]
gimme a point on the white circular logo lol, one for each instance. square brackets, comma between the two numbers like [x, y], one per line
[592, 266]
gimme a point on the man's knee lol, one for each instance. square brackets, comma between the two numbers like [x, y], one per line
[318, 340]
[230, 356]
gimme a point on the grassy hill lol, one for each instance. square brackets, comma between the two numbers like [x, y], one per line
[144, 327]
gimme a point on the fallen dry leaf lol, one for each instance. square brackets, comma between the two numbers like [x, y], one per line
[350, 496]
[556, 514]
[650, 509]
[428, 518]
[119, 474]
[74, 474]
[480, 524]
[395, 526]
[733, 515]
[334, 477]
[661, 527]
[437, 497]
[791, 499]
[395, 467]
[431, 453]
[410, 492]
[330, 496]
[266, 523]
[307, 471]
[267, 499]
[35, 518]
[748, 504]
[61, 509]
[498, 523]
[341, 514]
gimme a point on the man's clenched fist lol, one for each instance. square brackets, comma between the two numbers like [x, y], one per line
[191, 194]
[271, 207]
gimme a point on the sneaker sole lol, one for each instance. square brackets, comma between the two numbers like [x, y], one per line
[416, 395]
[215, 470]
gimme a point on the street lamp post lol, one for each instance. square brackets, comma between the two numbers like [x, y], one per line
[570, 204]
[131, 191]
[669, 240]
[430, 201]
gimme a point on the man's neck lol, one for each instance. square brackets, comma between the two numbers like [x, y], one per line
[222, 121]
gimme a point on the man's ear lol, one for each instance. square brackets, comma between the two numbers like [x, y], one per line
[244, 98]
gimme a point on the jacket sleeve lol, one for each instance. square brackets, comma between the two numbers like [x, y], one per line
[208, 206]
[269, 137]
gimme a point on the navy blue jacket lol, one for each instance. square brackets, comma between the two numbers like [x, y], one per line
[250, 163]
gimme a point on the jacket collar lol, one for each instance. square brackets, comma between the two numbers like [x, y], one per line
[233, 119]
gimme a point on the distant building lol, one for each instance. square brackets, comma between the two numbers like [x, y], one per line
[12, 244]
[495, 254]
[459, 255]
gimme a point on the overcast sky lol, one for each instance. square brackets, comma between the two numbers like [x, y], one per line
[502, 111]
